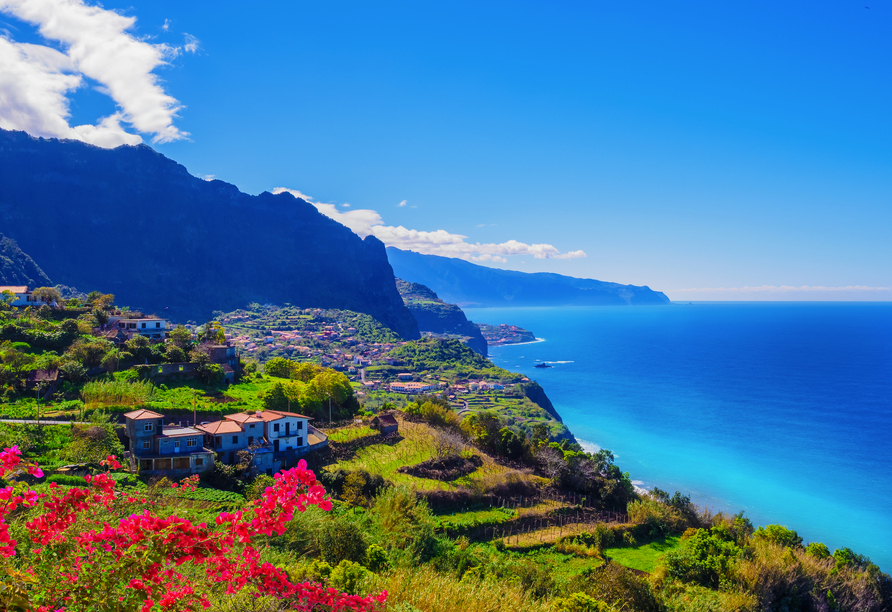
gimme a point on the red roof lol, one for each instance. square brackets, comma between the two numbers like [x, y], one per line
[241, 417]
[221, 427]
[274, 415]
[138, 415]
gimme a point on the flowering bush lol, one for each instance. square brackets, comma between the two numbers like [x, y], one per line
[94, 548]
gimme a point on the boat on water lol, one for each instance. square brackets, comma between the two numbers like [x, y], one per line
[542, 365]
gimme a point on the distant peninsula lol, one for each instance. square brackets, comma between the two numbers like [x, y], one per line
[460, 282]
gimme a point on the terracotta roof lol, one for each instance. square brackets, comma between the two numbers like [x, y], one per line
[221, 427]
[137, 415]
[15, 288]
[241, 417]
[272, 415]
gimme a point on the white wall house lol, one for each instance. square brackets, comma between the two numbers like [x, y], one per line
[152, 328]
[22, 294]
[285, 430]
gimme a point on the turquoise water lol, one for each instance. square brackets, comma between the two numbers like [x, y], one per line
[783, 410]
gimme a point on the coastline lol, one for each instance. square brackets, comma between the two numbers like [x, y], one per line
[673, 404]
[536, 341]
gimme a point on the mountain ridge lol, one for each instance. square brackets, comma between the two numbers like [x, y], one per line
[17, 267]
[467, 284]
[137, 223]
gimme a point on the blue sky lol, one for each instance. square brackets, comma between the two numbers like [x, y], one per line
[709, 150]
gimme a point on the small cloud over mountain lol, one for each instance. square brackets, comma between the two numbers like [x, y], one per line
[365, 222]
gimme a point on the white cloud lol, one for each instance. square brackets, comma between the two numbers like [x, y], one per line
[345, 205]
[402, 204]
[35, 80]
[366, 222]
[191, 45]
[166, 26]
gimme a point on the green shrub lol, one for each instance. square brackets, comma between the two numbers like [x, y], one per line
[66, 479]
[256, 489]
[703, 559]
[778, 534]
[404, 524]
[376, 558]
[347, 576]
[580, 602]
[340, 539]
[818, 550]
[659, 518]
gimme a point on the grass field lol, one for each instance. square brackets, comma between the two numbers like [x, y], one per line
[416, 446]
[645, 557]
[346, 434]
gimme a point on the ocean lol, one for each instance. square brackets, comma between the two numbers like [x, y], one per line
[781, 410]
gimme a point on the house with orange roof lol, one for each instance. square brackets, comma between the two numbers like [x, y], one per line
[156, 448]
[21, 295]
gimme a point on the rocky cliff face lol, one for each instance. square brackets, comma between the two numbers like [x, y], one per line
[132, 222]
[436, 316]
[17, 268]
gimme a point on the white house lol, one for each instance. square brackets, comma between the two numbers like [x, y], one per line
[150, 327]
[284, 430]
[22, 295]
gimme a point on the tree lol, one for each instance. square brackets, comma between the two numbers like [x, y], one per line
[212, 332]
[181, 337]
[140, 347]
[330, 384]
[280, 367]
[47, 295]
[89, 351]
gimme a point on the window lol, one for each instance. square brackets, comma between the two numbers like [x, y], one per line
[145, 465]
[149, 426]
[157, 325]
[181, 463]
[300, 441]
[218, 441]
[235, 439]
[191, 443]
[276, 427]
[250, 440]
[143, 325]
[146, 444]
[199, 461]
[300, 425]
[252, 425]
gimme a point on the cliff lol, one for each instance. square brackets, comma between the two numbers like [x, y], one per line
[132, 222]
[466, 284]
[17, 268]
[436, 316]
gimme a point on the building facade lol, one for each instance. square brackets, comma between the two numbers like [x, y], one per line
[171, 449]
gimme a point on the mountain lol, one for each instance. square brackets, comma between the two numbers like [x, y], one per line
[466, 284]
[132, 222]
[436, 316]
[17, 268]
